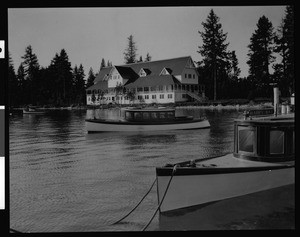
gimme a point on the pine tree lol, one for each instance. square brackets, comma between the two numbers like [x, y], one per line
[130, 51]
[148, 58]
[213, 50]
[260, 56]
[31, 70]
[23, 85]
[62, 72]
[234, 71]
[284, 39]
[12, 83]
[102, 65]
[90, 79]
[30, 63]
[78, 85]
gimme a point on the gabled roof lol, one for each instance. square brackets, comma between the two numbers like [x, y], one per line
[100, 85]
[168, 70]
[126, 72]
[103, 72]
[153, 81]
[177, 65]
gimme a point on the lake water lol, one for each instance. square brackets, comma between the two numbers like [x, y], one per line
[65, 180]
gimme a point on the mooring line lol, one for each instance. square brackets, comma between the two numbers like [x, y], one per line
[174, 170]
[136, 205]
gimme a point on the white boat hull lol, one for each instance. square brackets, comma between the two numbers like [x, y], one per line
[190, 190]
[33, 112]
[119, 127]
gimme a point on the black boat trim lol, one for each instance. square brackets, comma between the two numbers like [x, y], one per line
[143, 122]
[185, 171]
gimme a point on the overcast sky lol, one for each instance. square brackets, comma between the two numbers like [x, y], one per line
[90, 34]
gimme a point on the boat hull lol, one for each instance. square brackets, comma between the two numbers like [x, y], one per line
[33, 112]
[111, 126]
[190, 190]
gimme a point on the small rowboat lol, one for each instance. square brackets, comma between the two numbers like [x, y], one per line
[146, 119]
[263, 158]
[32, 110]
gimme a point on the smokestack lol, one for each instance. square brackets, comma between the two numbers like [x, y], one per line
[276, 100]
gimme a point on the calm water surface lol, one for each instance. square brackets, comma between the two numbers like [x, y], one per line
[63, 179]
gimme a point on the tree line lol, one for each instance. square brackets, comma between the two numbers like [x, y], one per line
[219, 67]
[61, 85]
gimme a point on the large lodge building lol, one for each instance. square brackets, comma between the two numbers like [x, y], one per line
[162, 82]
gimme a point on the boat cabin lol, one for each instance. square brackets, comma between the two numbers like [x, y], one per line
[267, 139]
[160, 114]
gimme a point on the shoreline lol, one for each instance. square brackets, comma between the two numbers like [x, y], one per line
[218, 107]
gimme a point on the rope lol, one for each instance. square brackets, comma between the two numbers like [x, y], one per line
[174, 169]
[136, 205]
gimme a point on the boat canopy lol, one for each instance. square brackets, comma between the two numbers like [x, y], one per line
[265, 139]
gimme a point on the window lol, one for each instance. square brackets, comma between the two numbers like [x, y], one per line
[190, 75]
[146, 97]
[152, 88]
[170, 96]
[128, 115]
[162, 115]
[146, 88]
[276, 142]
[137, 115]
[153, 96]
[161, 96]
[193, 76]
[146, 115]
[139, 89]
[170, 114]
[160, 88]
[245, 139]
[185, 75]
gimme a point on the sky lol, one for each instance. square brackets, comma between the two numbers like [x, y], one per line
[90, 34]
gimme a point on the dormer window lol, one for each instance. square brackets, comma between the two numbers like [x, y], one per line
[144, 72]
[166, 71]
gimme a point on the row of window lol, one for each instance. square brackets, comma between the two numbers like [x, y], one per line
[156, 88]
[189, 76]
[276, 141]
[149, 115]
[161, 96]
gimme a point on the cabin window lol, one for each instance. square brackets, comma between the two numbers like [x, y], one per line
[170, 114]
[146, 115]
[154, 115]
[137, 115]
[246, 139]
[276, 142]
[162, 115]
[128, 115]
